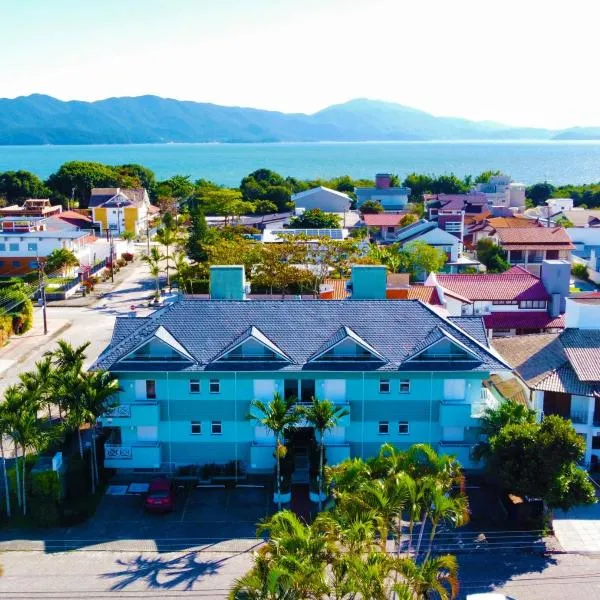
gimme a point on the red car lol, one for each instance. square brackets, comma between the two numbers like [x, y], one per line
[160, 497]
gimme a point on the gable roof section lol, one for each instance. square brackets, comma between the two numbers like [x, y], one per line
[383, 219]
[162, 334]
[108, 196]
[514, 284]
[298, 328]
[434, 337]
[582, 347]
[256, 334]
[344, 333]
[320, 188]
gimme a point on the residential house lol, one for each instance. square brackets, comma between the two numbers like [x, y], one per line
[488, 227]
[452, 212]
[501, 190]
[391, 198]
[25, 239]
[530, 246]
[321, 197]
[189, 372]
[512, 303]
[561, 372]
[386, 224]
[585, 235]
[118, 209]
[32, 207]
[430, 233]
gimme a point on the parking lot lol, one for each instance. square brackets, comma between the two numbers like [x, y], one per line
[202, 516]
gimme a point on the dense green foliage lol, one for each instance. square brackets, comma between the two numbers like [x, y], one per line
[492, 256]
[17, 186]
[16, 308]
[580, 270]
[371, 207]
[315, 218]
[537, 459]
[344, 552]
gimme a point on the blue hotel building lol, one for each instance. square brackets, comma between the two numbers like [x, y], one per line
[188, 373]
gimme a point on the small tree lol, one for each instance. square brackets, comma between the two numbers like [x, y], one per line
[315, 218]
[371, 207]
[154, 259]
[60, 259]
[424, 258]
[580, 270]
[492, 256]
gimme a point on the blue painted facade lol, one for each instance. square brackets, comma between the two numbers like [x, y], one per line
[189, 373]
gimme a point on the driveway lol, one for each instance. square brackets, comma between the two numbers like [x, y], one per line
[578, 530]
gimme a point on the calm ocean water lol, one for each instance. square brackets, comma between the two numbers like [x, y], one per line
[528, 162]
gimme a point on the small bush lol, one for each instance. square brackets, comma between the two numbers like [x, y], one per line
[580, 270]
[127, 256]
[121, 263]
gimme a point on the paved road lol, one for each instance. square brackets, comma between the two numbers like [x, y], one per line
[76, 325]
[208, 574]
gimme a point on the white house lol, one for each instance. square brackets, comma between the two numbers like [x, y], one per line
[501, 190]
[326, 199]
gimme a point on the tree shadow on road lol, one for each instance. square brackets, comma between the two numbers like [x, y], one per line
[181, 572]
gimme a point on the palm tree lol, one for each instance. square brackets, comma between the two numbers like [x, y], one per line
[279, 416]
[60, 259]
[437, 576]
[96, 394]
[167, 236]
[182, 270]
[68, 358]
[453, 510]
[154, 259]
[323, 415]
[41, 382]
[5, 430]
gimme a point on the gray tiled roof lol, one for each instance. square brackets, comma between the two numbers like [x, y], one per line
[474, 327]
[545, 361]
[298, 328]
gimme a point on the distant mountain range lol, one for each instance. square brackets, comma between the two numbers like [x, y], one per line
[39, 119]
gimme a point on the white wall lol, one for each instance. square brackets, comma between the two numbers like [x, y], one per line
[323, 199]
[582, 316]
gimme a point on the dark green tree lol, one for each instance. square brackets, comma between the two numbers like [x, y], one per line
[371, 207]
[486, 176]
[81, 176]
[200, 236]
[492, 256]
[540, 460]
[538, 193]
[16, 186]
[419, 184]
[140, 176]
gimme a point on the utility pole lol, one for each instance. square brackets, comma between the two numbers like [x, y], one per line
[42, 291]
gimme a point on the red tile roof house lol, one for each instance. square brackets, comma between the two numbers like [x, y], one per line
[387, 224]
[511, 303]
[530, 246]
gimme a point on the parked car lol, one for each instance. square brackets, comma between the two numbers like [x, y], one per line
[160, 497]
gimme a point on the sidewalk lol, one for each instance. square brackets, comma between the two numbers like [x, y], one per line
[20, 347]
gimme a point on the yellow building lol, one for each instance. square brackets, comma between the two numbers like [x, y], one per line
[119, 209]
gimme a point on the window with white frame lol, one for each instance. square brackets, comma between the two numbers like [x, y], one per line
[195, 427]
[404, 386]
[453, 226]
[194, 386]
[214, 386]
[384, 386]
[216, 427]
[532, 304]
[384, 427]
[403, 428]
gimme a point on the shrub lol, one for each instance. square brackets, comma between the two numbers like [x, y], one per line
[121, 263]
[88, 285]
[580, 271]
[127, 256]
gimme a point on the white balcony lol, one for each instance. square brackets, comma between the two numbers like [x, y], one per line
[133, 414]
[138, 455]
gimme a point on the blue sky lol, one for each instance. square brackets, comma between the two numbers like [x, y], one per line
[525, 62]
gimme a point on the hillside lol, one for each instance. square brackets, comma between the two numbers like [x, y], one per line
[39, 119]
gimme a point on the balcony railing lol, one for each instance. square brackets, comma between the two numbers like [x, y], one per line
[133, 414]
[136, 455]
[115, 452]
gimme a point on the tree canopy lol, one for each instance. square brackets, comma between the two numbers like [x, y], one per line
[17, 186]
[315, 218]
[492, 256]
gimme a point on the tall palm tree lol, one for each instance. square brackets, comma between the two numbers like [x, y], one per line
[5, 430]
[154, 259]
[68, 357]
[279, 416]
[167, 237]
[323, 415]
[41, 383]
[96, 394]
[444, 508]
